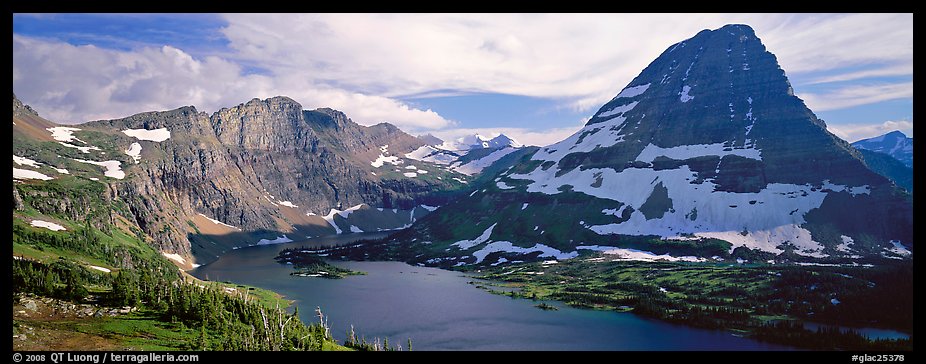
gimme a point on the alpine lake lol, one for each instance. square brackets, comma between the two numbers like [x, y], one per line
[439, 310]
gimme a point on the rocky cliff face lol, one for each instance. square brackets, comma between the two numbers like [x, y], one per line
[706, 153]
[264, 169]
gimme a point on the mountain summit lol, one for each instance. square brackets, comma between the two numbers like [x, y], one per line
[895, 144]
[705, 152]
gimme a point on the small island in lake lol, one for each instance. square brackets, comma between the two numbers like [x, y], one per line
[309, 263]
[546, 307]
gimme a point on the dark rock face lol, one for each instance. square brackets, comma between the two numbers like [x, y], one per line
[894, 144]
[708, 142]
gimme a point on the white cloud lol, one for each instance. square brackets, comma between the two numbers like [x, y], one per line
[859, 131]
[361, 63]
[898, 70]
[815, 42]
[856, 95]
[72, 84]
[582, 59]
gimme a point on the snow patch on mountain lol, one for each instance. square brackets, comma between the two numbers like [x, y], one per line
[47, 225]
[175, 257]
[769, 217]
[383, 158]
[682, 152]
[507, 246]
[82, 149]
[279, 240]
[288, 204]
[466, 244]
[134, 151]
[64, 134]
[844, 246]
[683, 95]
[113, 168]
[343, 213]
[632, 91]
[217, 222]
[598, 135]
[26, 162]
[478, 165]
[899, 249]
[434, 155]
[618, 110]
[857, 190]
[154, 135]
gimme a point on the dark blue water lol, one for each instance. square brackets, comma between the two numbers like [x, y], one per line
[438, 310]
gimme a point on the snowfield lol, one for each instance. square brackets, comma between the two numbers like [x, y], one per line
[698, 150]
[478, 165]
[64, 134]
[506, 246]
[618, 110]
[345, 213]
[899, 248]
[134, 151]
[288, 204]
[641, 255]
[113, 168]
[683, 95]
[101, 269]
[155, 135]
[434, 155]
[759, 220]
[278, 240]
[630, 92]
[82, 149]
[175, 257]
[48, 225]
[27, 174]
[383, 158]
[26, 162]
[467, 244]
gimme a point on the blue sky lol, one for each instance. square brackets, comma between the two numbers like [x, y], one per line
[535, 77]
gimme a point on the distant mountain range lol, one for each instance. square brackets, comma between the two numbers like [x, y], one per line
[468, 154]
[890, 155]
[895, 144]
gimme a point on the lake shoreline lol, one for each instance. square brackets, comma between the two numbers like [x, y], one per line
[439, 310]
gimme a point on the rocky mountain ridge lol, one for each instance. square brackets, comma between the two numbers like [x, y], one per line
[259, 172]
[895, 144]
